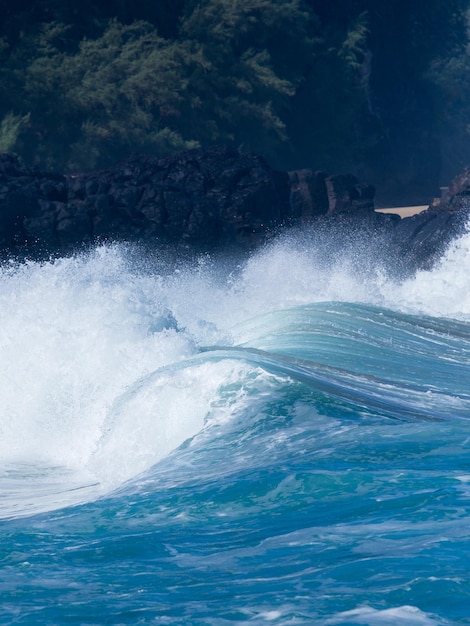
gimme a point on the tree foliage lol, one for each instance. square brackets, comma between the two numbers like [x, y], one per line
[306, 82]
[10, 128]
[115, 92]
[226, 77]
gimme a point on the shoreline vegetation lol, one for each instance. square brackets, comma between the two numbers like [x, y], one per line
[375, 88]
[212, 91]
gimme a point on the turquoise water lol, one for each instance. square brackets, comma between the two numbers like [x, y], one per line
[282, 440]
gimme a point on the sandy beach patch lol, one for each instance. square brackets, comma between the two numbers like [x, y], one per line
[404, 211]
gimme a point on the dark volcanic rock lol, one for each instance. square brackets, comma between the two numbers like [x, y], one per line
[28, 200]
[204, 199]
[313, 194]
[200, 198]
[345, 194]
[308, 194]
[422, 238]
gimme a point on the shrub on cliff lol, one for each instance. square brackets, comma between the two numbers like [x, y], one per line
[336, 85]
[227, 77]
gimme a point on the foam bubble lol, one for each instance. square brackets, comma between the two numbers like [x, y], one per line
[73, 335]
[443, 291]
[76, 334]
[409, 615]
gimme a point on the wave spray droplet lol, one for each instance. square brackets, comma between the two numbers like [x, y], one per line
[283, 438]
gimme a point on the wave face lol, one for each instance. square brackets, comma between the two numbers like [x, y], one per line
[284, 439]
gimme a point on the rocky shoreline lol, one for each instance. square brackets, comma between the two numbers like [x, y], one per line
[205, 200]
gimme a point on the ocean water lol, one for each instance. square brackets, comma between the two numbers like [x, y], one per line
[283, 439]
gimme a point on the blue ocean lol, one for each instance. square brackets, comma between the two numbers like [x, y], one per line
[278, 439]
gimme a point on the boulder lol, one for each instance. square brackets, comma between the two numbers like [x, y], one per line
[28, 200]
[346, 194]
[308, 194]
[421, 239]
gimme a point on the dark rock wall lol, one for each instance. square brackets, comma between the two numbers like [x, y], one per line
[202, 200]
[199, 198]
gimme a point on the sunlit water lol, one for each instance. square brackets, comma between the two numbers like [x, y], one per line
[282, 440]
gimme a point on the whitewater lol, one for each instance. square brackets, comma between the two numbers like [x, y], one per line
[281, 438]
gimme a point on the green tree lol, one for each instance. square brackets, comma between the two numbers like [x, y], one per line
[248, 57]
[10, 129]
[329, 125]
[342, 85]
[116, 93]
[387, 118]
[226, 78]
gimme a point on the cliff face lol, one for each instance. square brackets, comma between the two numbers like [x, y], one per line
[203, 200]
[199, 197]
[422, 238]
